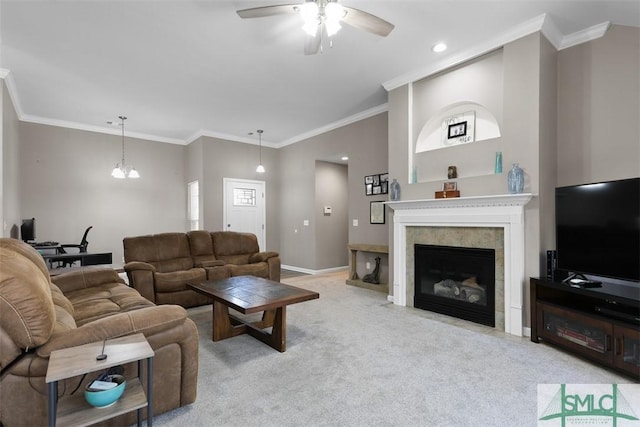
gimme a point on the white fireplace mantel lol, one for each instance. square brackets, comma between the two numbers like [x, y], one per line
[506, 211]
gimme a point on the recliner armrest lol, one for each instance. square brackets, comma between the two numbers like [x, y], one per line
[262, 256]
[138, 265]
[149, 321]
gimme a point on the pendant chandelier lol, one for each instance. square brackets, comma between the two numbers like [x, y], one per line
[260, 168]
[122, 171]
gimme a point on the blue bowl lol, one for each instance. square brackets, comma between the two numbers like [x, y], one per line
[104, 398]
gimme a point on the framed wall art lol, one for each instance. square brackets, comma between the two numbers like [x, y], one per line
[376, 212]
[376, 184]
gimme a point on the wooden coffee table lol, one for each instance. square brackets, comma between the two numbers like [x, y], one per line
[249, 294]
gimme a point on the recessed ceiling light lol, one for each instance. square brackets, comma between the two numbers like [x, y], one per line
[439, 47]
[344, 158]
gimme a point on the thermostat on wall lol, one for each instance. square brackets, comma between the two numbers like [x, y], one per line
[327, 210]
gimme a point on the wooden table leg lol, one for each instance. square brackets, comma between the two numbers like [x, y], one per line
[221, 323]
[278, 336]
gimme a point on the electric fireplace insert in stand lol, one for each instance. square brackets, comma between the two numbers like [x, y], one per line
[456, 281]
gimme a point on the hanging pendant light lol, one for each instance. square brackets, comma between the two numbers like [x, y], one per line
[260, 168]
[122, 171]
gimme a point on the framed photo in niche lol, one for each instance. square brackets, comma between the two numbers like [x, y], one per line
[376, 184]
[459, 129]
[376, 212]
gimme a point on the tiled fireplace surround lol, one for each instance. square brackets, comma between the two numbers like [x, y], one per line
[493, 222]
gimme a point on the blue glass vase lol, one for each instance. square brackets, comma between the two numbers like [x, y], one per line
[394, 190]
[515, 179]
[498, 166]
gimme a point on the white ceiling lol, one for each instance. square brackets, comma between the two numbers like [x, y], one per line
[181, 69]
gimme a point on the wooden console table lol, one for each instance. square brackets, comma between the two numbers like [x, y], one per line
[354, 279]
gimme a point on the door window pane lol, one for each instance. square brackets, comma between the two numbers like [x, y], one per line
[244, 197]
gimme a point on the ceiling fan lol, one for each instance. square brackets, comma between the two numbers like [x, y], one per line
[323, 16]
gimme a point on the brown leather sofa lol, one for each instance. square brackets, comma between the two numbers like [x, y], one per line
[159, 266]
[39, 314]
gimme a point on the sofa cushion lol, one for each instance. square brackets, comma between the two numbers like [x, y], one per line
[27, 312]
[167, 252]
[177, 280]
[234, 248]
[202, 249]
[104, 300]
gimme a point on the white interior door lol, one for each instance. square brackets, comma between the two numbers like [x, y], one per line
[244, 208]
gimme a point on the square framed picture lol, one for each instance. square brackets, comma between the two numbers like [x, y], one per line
[376, 212]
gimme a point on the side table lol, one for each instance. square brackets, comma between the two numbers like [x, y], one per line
[70, 362]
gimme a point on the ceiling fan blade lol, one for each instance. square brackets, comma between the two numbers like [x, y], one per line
[260, 12]
[312, 43]
[367, 22]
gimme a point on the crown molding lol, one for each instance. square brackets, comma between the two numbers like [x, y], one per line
[542, 23]
[586, 35]
[524, 29]
[13, 94]
[7, 76]
[98, 129]
[337, 124]
[229, 137]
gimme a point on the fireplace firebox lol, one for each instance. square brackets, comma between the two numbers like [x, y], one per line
[456, 281]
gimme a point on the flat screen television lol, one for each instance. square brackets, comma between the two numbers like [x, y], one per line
[28, 229]
[598, 229]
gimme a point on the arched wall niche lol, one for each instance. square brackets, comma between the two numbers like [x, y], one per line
[470, 93]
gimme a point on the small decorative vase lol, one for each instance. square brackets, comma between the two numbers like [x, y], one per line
[498, 167]
[515, 179]
[394, 190]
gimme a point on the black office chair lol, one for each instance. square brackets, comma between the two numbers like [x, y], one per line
[82, 248]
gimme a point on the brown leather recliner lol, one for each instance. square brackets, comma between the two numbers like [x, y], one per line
[38, 316]
[159, 266]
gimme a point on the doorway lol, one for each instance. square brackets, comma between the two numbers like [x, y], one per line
[245, 208]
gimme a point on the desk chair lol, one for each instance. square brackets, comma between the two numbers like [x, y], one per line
[82, 248]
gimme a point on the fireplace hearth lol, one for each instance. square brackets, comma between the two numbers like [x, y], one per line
[456, 281]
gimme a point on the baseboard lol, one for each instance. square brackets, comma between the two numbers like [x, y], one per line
[308, 271]
[526, 332]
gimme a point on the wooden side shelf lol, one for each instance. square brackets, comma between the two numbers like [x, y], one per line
[73, 410]
[354, 279]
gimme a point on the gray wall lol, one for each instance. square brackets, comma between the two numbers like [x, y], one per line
[66, 184]
[331, 230]
[598, 111]
[9, 187]
[218, 159]
[365, 142]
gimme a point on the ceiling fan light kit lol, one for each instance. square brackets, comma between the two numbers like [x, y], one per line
[320, 16]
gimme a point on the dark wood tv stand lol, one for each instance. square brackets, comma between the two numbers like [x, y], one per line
[600, 324]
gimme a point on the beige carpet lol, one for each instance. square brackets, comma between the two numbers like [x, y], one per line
[354, 359]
